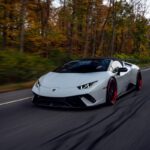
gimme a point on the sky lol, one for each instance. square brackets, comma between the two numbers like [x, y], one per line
[56, 3]
[145, 2]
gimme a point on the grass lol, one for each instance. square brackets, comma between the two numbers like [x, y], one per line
[145, 65]
[16, 86]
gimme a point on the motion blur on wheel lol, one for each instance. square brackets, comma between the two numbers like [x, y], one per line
[86, 83]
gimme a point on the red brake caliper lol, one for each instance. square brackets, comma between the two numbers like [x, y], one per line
[140, 83]
[114, 96]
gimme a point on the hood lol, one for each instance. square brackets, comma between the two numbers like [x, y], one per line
[67, 80]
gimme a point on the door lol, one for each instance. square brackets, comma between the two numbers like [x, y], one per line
[122, 78]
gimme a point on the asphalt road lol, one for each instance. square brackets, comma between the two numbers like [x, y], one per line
[124, 126]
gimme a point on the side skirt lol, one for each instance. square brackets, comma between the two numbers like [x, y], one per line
[130, 89]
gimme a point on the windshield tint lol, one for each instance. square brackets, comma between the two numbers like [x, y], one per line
[84, 66]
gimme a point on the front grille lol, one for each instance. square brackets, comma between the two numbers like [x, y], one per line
[74, 101]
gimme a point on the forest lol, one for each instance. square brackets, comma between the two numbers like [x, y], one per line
[36, 35]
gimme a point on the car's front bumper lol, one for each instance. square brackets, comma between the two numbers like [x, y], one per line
[70, 97]
[64, 102]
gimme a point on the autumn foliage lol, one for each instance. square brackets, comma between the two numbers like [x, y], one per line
[76, 28]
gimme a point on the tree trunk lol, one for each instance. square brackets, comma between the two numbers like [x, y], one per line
[22, 22]
[87, 33]
[4, 27]
[48, 3]
[70, 30]
[4, 35]
[102, 32]
[113, 28]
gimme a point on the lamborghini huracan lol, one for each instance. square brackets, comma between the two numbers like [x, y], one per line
[86, 83]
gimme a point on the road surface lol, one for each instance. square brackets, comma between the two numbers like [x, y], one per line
[124, 126]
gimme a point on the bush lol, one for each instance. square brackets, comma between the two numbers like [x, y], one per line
[17, 67]
[135, 58]
[59, 57]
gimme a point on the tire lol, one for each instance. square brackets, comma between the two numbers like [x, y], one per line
[111, 94]
[139, 81]
[34, 101]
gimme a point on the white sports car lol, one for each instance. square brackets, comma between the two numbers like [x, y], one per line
[86, 83]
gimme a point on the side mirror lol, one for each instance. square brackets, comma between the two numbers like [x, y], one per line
[123, 69]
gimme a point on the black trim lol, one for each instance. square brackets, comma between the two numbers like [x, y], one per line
[90, 98]
[73, 101]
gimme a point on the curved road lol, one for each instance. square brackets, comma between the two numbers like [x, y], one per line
[124, 126]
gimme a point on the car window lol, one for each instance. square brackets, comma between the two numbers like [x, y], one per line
[115, 65]
[84, 66]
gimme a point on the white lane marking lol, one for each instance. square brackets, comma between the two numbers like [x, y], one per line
[14, 101]
[146, 69]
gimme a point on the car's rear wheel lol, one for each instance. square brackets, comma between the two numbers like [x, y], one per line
[111, 96]
[139, 81]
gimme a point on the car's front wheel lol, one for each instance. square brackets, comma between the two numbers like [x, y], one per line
[111, 95]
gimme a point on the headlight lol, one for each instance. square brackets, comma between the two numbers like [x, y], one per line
[86, 86]
[38, 84]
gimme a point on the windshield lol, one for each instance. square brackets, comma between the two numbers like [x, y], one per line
[84, 66]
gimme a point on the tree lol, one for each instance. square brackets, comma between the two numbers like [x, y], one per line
[78, 27]
[4, 5]
[22, 23]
